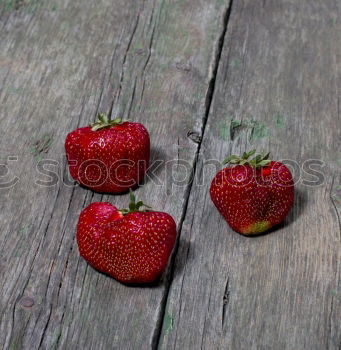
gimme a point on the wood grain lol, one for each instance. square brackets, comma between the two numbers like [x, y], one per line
[60, 64]
[277, 88]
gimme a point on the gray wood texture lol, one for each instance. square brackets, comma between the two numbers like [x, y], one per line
[279, 67]
[207, 78]
[62, 63]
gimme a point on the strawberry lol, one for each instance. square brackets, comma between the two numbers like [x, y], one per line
[108, 156]
[131, 245]
[253, 195]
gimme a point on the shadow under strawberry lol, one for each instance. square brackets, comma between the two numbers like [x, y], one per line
[157, 164]
[133, 188]
[300, 204]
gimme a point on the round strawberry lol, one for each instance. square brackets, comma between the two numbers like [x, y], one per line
[253, 195]
[131, 245]
[108, 156]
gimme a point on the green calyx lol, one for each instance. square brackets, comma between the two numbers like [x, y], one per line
[133, 205]
[258, 161]
[104, 122]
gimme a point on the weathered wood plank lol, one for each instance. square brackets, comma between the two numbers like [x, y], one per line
[61, 63]
[277, 88]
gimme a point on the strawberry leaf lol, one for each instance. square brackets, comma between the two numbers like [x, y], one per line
[266, 155]
[139, 204]
[104, 122]
[132, 196]
[103, 118]
[230, 159]
[258, 161]
[133, 206]
[117, 120]
[251, 153]
[264, 162]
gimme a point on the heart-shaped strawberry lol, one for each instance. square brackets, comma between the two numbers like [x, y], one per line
[108, 156]
[131, 245]
[253, 195]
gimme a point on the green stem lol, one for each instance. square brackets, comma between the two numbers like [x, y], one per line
[104, 122]
[133, 205]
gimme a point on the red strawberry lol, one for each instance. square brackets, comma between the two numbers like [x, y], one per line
[108, 156]
[253, 195]
[133, 246]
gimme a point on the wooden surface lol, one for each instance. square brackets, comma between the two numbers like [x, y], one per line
[206, 78]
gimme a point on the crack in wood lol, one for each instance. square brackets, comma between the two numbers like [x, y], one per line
[150, 47]
[124, 61]
[208, 102]
[132, 98]
[334, 205]
[226, 299]
[330, 316]
[45, 328]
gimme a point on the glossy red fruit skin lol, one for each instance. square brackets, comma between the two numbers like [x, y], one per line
[134, 248]
[109, 160]
[253, 200]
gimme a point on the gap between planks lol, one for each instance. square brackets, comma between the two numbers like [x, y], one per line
[157, 338]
